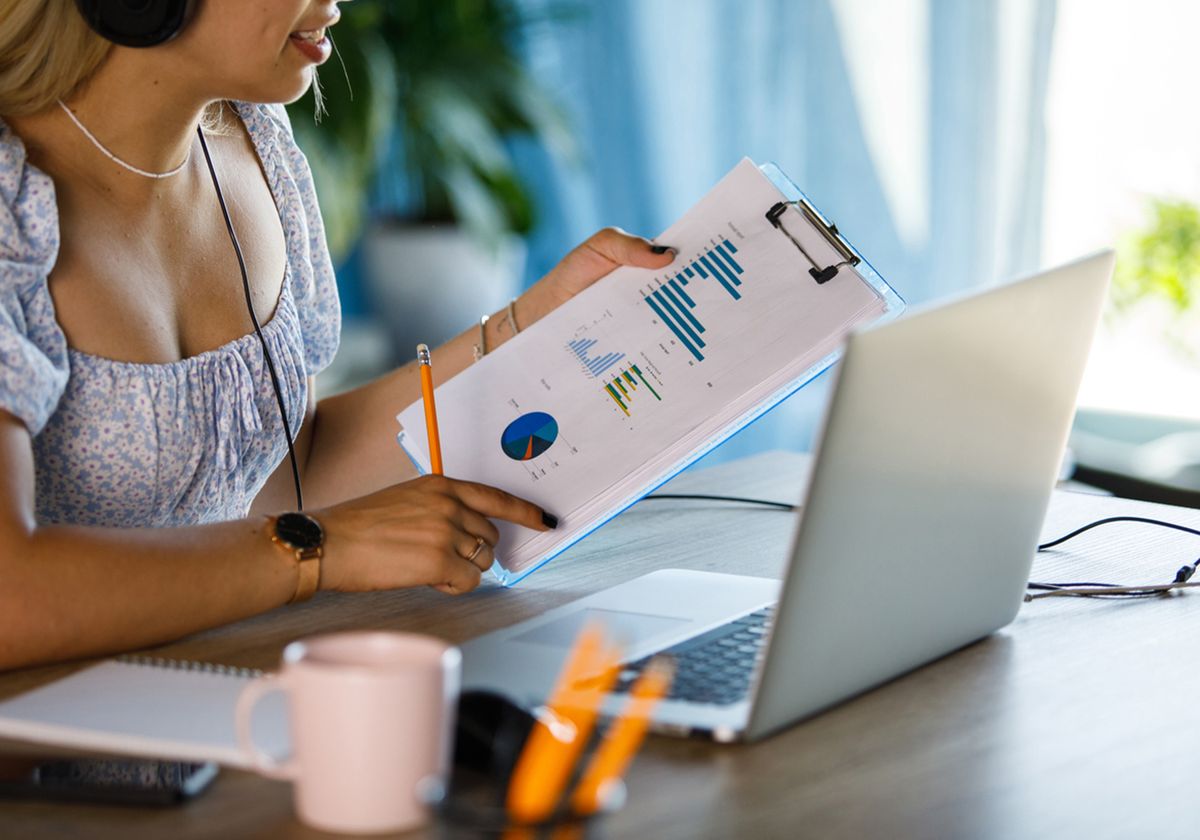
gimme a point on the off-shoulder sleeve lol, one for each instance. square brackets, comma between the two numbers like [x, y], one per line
[33, 350]
[314, 286]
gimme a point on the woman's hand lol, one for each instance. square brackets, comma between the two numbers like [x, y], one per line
[600, 254]
[425, 531]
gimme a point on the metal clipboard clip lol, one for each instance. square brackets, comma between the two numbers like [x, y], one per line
[827, 230]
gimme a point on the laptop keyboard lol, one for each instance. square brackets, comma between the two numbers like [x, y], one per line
[714, 667]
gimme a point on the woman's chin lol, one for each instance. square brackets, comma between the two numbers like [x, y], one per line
[301, 85]
[282, 89]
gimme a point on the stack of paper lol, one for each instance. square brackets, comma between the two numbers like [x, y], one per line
[617, 390]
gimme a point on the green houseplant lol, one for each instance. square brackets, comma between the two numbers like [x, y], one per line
[1158, 266]
[1140, 435]
[432, 89]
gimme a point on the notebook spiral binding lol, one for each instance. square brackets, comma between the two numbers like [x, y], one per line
[189, 665]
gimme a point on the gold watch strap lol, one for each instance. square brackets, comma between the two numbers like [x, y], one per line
[308, 567]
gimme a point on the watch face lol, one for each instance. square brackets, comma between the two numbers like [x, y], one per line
[299, 530]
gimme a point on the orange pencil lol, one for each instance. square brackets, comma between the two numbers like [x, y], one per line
[625, 736]
[547, 759]
[431, 427]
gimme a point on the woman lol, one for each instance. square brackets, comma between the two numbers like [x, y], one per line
[141, 447]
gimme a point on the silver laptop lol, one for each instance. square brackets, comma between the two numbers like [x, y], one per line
[939, 452]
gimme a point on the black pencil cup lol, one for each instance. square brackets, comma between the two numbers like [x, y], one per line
[490, 733]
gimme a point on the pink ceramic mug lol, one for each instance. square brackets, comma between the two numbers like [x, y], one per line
[370, 721]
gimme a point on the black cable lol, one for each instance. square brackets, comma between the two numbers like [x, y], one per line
[706, 498]
[287, 429]
[1182, 576]
[1032, 585]
[1100, 522]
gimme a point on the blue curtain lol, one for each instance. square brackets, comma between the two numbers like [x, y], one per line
[915, 124]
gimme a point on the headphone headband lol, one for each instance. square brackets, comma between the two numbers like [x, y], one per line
[137, 23]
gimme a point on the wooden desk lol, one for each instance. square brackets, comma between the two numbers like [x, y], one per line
[1074, 721]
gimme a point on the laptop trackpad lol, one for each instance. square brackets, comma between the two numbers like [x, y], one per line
[627, 628]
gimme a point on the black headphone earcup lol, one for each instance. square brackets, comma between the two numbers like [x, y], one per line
[490, 731]
[137, 23]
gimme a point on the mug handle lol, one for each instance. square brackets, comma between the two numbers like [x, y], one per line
[246, 702]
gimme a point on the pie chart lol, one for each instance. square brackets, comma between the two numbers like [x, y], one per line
[529, 435]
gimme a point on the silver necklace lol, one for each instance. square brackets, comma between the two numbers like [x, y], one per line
[116, 159]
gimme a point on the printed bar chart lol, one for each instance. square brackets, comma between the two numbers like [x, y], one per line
[649, 387]
[624, 386]
[612, 392]
[595, 365]
[673, 305]
[718, 264]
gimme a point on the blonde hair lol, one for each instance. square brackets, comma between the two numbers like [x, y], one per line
[46, 51]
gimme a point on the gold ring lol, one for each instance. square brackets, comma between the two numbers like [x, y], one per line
[479, 543]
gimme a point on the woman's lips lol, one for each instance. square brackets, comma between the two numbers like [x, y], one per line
[313, 43]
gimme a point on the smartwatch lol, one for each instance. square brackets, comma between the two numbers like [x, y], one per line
[301, 535]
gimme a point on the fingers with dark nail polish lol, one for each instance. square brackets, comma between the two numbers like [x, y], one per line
[549, 520]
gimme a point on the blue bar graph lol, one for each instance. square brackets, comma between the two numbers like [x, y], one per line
[652, 301]
[704, 269]
[679, 307]
[679, 318]
[721, 262]
[682, 294]
[727, 251]
[595, 365]
[721, 270]
[674, 306]
[718, 264]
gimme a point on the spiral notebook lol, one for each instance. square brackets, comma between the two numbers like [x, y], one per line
[148, 707]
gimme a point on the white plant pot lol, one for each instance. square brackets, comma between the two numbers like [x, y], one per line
[429, 283]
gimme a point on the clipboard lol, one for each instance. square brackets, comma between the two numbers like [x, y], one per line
[798, 219]
[824, 259]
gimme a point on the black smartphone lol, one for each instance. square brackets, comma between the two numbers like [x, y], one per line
[119, 781]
